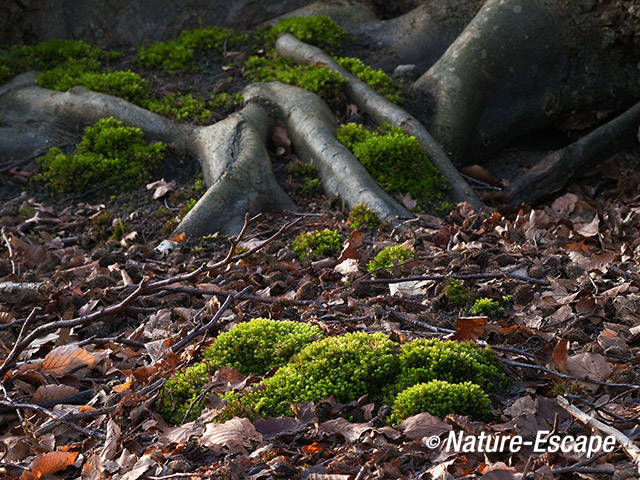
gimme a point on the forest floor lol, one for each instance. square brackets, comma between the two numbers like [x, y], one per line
[565, 272]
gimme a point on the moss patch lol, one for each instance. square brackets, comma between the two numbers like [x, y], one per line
[389, 257]
[375, 78]
[321, 242]
[109, 153]
[488, 307]
[362, 217]
[456, 293]
[319, 30]
[317, 79]
[396, 160]
[180, 54]
[441, 398]
[73, 54]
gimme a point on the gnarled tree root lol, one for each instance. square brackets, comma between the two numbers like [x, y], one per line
[382, 110]
[312, 128]
[556, 169]
[238, 172]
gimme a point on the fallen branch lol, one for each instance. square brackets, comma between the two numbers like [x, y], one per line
[458, 276]
[382, 110]
[625, 442]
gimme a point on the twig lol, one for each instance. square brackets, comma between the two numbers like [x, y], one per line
[406, 318]
[625, 442]
[212, 323]
[8, 243]
[513, 363]
[53, 423]
[20, 345]
[458, 276]
[361, 473]
[221, 291]
[15, 351]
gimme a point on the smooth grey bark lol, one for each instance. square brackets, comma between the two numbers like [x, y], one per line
[312, 128]
[381, 110]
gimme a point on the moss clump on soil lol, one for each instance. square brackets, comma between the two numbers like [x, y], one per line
[193, 108]
[257, 346]
[319, 30]
[308, 175]
[455, 362]
[322, 243]
[456, 293]
[362, 217]
[389, 257]
[74, 54]
[127, 85]
[346, 367]
[110, 153]
[441, 398]
[186, 208]
[180, 54]
[488, 307]
[389, 156]
[315, 78]
[375, 78]
[253, 347]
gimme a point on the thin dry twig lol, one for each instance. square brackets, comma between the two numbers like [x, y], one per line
[458, 276]
[625, 442]
[10, 249]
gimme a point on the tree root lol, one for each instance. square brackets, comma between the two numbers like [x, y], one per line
[556, 169]
[312, 128]
[382, 110]
[238, 171]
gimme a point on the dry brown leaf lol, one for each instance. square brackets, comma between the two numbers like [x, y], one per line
[48, 464]
[559, 355]
[161, 188]
[111, 441]
[350, 249]
[479, 173]
[126, 385]
[53, 392]
[235, 434]
[179, 238]
[590, 229]
[65, 359]
[565, 204]
[6, 317]
[423, 425]
[591, 365]
[470, 328]
[350, 431]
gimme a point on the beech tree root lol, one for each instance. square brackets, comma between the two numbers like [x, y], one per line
[232, 153]
[382, 110]
[557, 168]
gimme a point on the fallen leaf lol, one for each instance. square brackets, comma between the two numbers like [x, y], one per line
[234, 435]
[479, 173]
[590, 229]
[559, 355]
[469, 328]
[312, 449]
[591, 365]
[350, 431]
[350, 249]
[565, 204]
[65, 359]
[53, 392]
[179, 238]
[423, 425]
[111, 441]
[126, 385]
[48, 464]
[161, 188]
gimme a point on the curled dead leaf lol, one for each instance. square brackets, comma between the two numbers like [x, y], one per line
[65, 359]
[470, 328]
[48, 464]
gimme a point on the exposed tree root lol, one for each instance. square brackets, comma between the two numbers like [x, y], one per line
[238, 172]
[312, 128]
[382, 110]
[553, 172]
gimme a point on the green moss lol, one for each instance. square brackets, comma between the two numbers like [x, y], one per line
[319, 30]
[389, 257]
[253, 347]
[315, 78]
[456, 362]
[186, 208]
[457, 293]
[441, 398]
[321, 242]
[376, 79]
[168, 227]
[301, 170]
[109, 153]
[53, 53]
[180, 54]
[193, 108]
[120, 230]
[257, 346]
[181, 390]
[198, 185]
[396, 160]
[127, 85]
[362, 217]
[312, 187]
[487, 306]
[346, 367]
